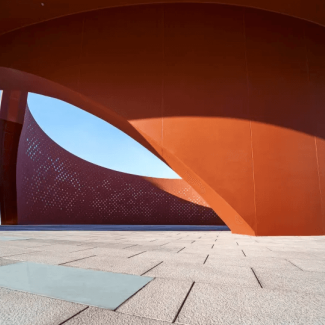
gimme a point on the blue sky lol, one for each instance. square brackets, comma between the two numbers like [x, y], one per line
[93, 139]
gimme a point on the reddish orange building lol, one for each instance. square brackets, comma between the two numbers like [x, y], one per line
[230, 95]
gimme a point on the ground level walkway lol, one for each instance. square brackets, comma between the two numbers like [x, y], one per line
[155, 275]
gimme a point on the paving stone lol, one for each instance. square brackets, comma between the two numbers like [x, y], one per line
[52, 258]
[141, 248]
[116, 264]
[9, 251]
[4, 261]
[160, 299]
[299, 281]
[303, 248]
[294, 254]
[227, 252]
[61, 248]
[232, 275]
[28, 309]
[106, 317]
[174, 248]
[104, 245]
[259, 253]
[179, 257]
[103, 251]
[211, 304]
[22, 244]
[253, 248]
[191, 250]
[267, 262]
[316, 265]
[319, 255]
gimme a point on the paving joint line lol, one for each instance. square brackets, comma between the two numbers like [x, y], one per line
[295, 265]
[206, 259]
[79, 259]
[79, 312]
[257, 278]
[81, 250]
[37, 246]
[181, 307]
[20, 254]
[130, 246]
[136, 254]
[181, 249]
[151, 268]
[165, 244]
[244, 253]
[80, 244]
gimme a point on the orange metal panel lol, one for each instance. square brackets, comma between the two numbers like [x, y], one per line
[285, 166]
[204, 82]
[231, 98]
[122, 53]
[16, 14]
[315, 38]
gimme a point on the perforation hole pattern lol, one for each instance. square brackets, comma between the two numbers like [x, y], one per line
[56, 187]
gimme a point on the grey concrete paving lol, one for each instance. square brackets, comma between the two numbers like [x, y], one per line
[167, 256]
[20, 308]
[53, 258]
[299, 281]
[228, 271]
[61, 248]
[7, 262]
[316, 265]
[115, 264]
[103, 251]
[266, 262]
[10, 251]
[210, 305]
[160, 299]
[22, 244]
[233, 276]
[105, 317]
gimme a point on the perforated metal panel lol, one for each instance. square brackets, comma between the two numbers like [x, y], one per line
[56, 187]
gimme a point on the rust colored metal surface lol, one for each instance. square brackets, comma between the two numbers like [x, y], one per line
[232, 98]
[16, 14]
[56, 187]
[12, 110]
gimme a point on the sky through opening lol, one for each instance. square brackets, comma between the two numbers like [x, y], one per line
[93, 139]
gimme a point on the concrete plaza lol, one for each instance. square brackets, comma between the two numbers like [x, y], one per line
[199, 275]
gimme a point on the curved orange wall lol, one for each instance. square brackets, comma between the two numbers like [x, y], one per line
[179, 188]
[231, 98]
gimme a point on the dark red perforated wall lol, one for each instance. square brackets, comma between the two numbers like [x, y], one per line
[56, 187]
